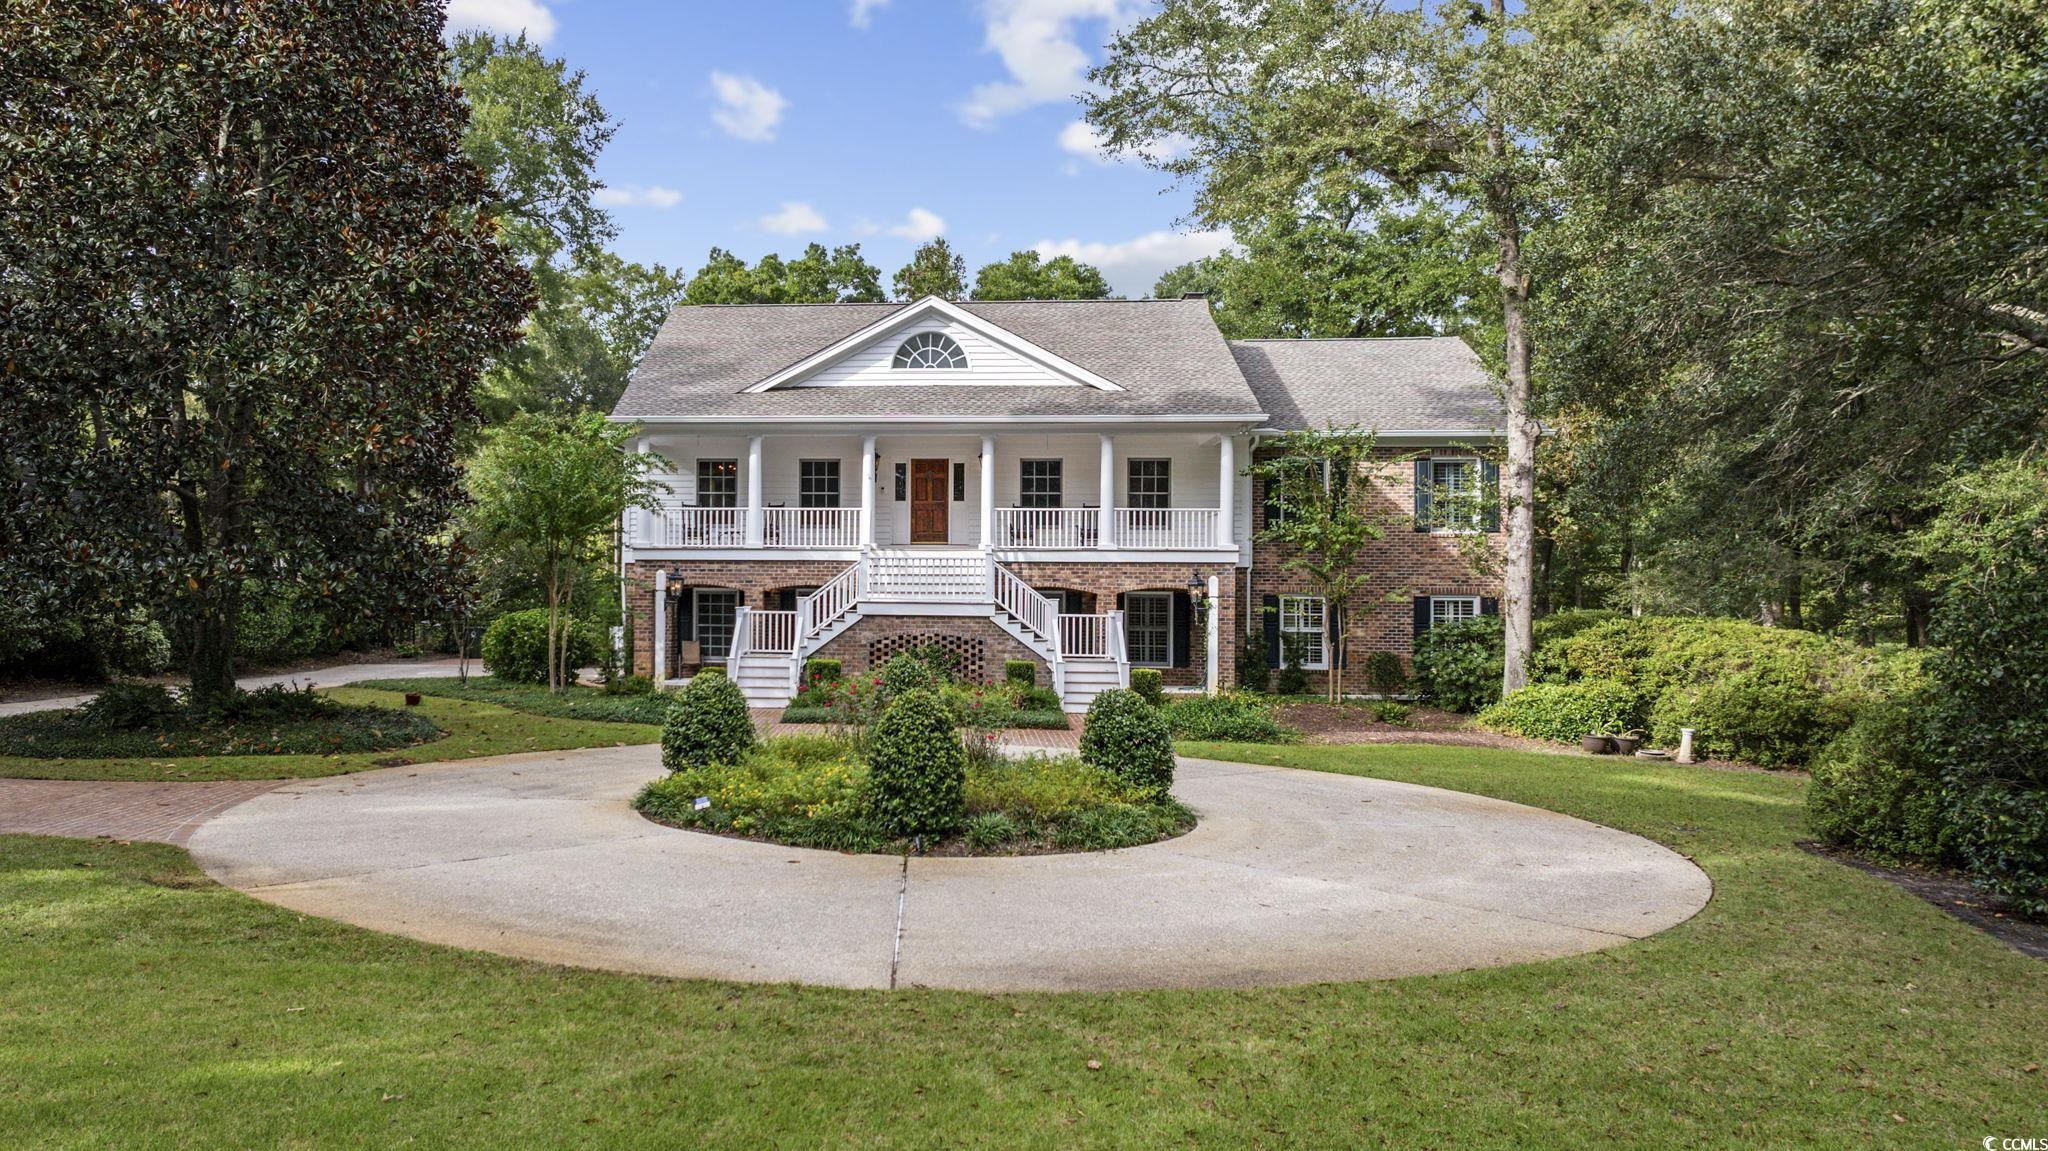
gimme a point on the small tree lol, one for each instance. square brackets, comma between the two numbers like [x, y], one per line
[548, 492]
[933, 270]
[1317, 483]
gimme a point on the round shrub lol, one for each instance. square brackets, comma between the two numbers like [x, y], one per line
[707, 724]
[1873, 791]
[1458, 665]
[1758, 715]
[1384, 673]
[1149, 683]
[916, 767]
[515, 646]
[1022, 672]
[1129, 739]
[1566, 711]
[906, 673]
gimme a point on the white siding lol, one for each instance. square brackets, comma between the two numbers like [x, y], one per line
[987, 363]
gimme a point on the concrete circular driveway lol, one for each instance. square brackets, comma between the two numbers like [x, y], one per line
[1291, 877]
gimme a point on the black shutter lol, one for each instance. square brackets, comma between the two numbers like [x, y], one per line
[1489, 606]
[1183, 616]
[1271, 605]
[1489, 483]
[1421, 615]
[685, 600]
[785, 600]
[1422, 493]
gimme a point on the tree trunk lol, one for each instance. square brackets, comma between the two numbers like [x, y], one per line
[1520, 482]
[554, 611]
[211, 661]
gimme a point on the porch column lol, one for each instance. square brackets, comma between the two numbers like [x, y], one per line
[660, 627]
[755, 534]
[988, 491]
[1105, 529]
[867, 492]
[1226, 499]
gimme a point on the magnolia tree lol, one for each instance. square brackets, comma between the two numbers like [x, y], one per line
[1318, 488]
[249, 279]
[549, 492]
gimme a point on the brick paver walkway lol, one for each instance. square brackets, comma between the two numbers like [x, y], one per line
[165, 812]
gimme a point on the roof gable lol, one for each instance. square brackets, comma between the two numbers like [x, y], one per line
[996, 355]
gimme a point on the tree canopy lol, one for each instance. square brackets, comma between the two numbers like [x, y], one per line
[819, 276]
[242, 328]
[933, 270]
[1028, 276]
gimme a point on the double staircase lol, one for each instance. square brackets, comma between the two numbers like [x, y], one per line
[1085, 652]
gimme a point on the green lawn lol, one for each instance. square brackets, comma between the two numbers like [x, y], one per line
[1807, 1005]
[572, 702]
[474, 729]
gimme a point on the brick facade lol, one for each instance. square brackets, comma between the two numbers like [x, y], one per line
[755, 580]
[1101, 584]
[1406, 564]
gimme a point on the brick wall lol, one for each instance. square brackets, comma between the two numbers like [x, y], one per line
[755, 580]
[1405, 564]
[980, 644]
[1103, 582]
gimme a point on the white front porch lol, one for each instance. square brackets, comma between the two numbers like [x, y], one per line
[1089, 496]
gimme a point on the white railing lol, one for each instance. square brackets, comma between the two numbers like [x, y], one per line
[1087, 636]
[1046, 527]
[742, 635]
[914, 578]
[1036, 613]
[810, 527]
[1166, 528]
[678, 526]
[830, 603]
[770, 632]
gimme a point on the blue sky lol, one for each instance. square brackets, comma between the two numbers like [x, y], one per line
[761, 126]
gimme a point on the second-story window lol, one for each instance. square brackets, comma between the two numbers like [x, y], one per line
[817, 483]
[1150, 483]
[1039, 483]
[718, 483]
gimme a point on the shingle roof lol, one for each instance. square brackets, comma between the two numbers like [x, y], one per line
[1428, 383]
[1166, 355]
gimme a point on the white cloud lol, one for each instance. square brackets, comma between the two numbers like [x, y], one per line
[794, 218]
[920, 225]
[1132, 266]
[635, 196]
[1083, 140]
[510, 17]
[1037, 40]
[863, 12]
[747, 108]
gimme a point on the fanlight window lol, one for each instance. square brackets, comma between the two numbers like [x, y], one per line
[930, 350]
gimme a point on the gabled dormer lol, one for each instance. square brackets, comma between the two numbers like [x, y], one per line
[933, 342]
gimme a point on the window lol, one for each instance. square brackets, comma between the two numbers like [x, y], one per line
[1148, 628]
[817, 483]
[959, 483]
[715, 612]
[1454, 485]
[1150, 483]
[1039, 483]
[1302, 615]
[902, 482]
[718, 483]
[1452, 608]
[930, 350]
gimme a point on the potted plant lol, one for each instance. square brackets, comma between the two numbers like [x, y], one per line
[1628, 741]
[1596, 743]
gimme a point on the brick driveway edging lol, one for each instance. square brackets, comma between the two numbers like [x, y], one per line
[84, 809]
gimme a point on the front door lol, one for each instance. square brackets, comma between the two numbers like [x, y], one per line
[929, 496]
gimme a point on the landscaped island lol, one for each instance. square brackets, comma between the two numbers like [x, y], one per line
[896, 775]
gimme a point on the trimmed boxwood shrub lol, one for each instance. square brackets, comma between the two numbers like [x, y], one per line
[1566, 711]
[1458, 665]
[1228, 717]
[1129, 739]
[707, 723]
[906, 673]
[916, 767]
[515, 646]
[1874, 791]
[818, 669]
[1149, 683]
[1038, 699]
[1022, 672]
[1384, 673]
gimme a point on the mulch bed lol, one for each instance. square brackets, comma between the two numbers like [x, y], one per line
[1955, 894]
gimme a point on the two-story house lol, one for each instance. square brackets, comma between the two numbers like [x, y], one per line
[1058, 481]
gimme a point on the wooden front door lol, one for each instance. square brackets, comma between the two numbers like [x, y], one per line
[929, 499]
